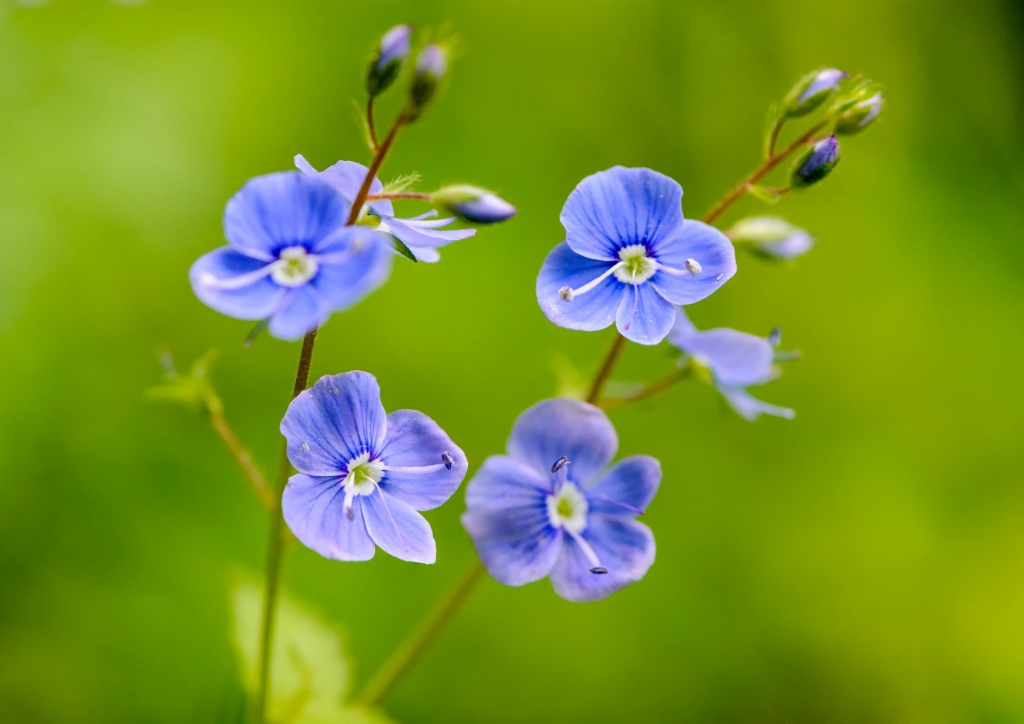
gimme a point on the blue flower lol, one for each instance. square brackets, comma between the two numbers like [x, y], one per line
[420, 233]
[735, 360]
[547, 509]
[363, 474]
[629, 257]
[290, 259]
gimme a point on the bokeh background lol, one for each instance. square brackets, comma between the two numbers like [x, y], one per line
[862, 563]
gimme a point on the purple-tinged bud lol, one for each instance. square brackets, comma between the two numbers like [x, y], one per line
[430, 69]
[771, 236]
[392, 52]
[811, 91]
[817, 163]
[860, 115]
[473, 204]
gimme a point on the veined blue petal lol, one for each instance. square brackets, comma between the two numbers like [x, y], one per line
[508, 521]
[302, 310]
[644, 316]
[590, 311]
[422, 234]
[333, 422]
[706, 245]
[360, 271]
[255, 300]
[749, 407]
[398, 529]
[737, 359]
[346, 177]
[624, 547]
[561, 427]
[627, 489]
[280, 210]
[313, 508]
[427, 254]
[413, 453]
[619, 207]
[682, 330]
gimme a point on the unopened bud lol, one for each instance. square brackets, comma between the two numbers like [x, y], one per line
[430, 69]
[473, 204]
[860, 115]
[817, 163]
[771, 236]
[384, 68]
[811, 91]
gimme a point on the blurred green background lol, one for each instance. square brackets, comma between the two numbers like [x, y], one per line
[863, 563]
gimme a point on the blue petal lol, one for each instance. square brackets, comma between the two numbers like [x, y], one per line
[397, 528]
[346, 177]
[280, 210]
[302, 310]
[682, 330]
[560, 427]
[414, 234]
[619, 207]
[334, 421]
[624, 547]
[426, 254]
[705, 244]
[737, 359]
[257, 300]
[627, 489]
[413, 440]
[588, 312]
[361, 272]
[314, 510]
[507, 519]
[749, 407]
[644, 316]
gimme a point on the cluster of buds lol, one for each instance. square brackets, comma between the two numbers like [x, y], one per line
[387, 63]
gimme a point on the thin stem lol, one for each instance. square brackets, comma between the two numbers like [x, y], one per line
[275, 543]
[757, 174]
[414, 196]
[605, 371]
[649, 390]
[371, 173]
[370, 126]
[773, 138]
[242, 457]
[409, 652]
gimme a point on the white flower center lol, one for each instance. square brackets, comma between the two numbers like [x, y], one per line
[294, 267]
[636, 266]
[363, 475]
[568, 508]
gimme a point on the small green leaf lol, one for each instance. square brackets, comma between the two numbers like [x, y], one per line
[193, 390]
[402, 249]
[402, 183]
[766, 195]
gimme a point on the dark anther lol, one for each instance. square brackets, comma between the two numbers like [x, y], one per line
[600, 570]
[559, 464]
[448, 460]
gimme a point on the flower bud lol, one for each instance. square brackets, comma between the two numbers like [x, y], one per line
[394, 47]
[860, 115]
[817, 163]
[473, 204]
[771, 236]
[430, 68]
[811, 91]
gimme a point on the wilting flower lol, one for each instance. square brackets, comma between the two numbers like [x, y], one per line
[629, 257]
[290, 259]
[547, 509]
[771, 236]
[817, 163]
[420, 234]
[364, 474]
[735, 360]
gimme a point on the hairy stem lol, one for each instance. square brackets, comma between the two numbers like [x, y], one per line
[413, 196]
[759, 173]
[409, 652]
[371, 173]
[242, 457]
[648, 390]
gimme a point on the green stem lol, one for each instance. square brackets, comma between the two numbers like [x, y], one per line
[370, 126]
[605, 370]
[773, 137]
[757, 174]
[649, 390]
[371, 173]
[409, 652]
[241, 456]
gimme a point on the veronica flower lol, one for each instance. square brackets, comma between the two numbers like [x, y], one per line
[629, 257]
[290, 259]
[736, 360]
[420, 233]
[363, 474]
[547, 509]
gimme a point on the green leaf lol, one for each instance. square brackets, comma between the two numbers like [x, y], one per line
[766, 195]
[309, 668]
[193, 390]
[403, 249]
[402, 183]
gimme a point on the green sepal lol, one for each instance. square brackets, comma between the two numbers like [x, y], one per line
[402, 249]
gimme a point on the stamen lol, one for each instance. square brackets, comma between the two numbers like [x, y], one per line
[636, 304]
[595, 563]
[418, 468]
[448, 460]
[559, 464]
[241, 281]
[602, 499]
[350, 494]
[775, 338]
[568, 293]
[692, 266]
[294, 267]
